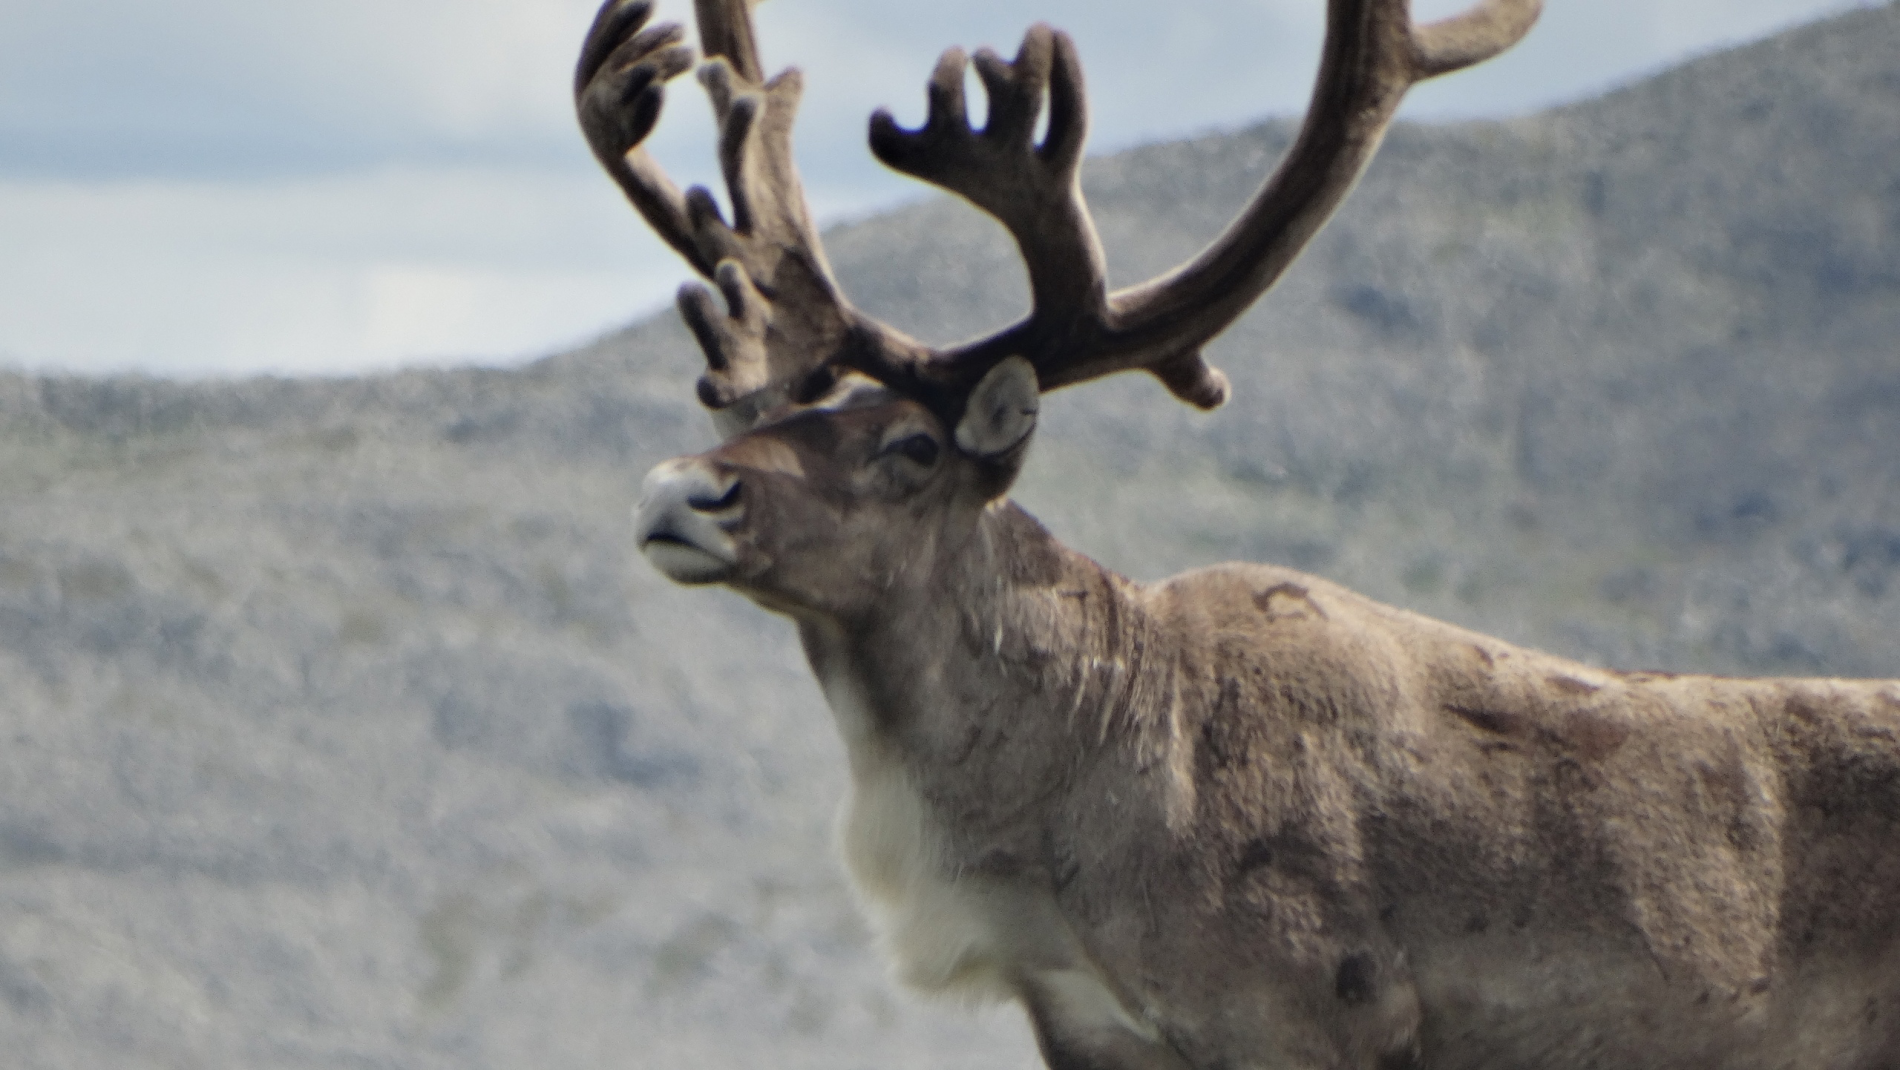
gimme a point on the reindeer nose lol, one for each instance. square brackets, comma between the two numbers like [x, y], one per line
[685, 517]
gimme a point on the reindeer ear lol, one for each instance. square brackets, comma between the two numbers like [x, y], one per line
[1001, 411]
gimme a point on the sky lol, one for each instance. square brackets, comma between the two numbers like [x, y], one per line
[201, 188]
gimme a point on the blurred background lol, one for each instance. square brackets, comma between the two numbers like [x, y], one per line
[203, 187]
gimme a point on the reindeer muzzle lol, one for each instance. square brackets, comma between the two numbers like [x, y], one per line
[684, 520]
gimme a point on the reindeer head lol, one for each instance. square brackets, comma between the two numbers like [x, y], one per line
[855, 455]
[826, 507]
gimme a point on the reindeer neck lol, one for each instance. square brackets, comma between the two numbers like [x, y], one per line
[1012, 640]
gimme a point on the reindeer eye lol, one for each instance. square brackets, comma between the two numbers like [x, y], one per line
[919, 449]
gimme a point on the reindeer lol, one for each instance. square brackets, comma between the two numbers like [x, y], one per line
[1242, 817]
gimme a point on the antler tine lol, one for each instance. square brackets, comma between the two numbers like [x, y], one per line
[725, 29]
[619, 85]
[770, 240]
[785, 322]
[1473, 36]
[1033, 190]
[1373, 54]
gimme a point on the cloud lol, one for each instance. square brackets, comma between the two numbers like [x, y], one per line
[223, 185]
[227, 88]
[233, 87]
[320, 275]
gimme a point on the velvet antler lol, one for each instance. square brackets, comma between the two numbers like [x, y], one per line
[786, 330]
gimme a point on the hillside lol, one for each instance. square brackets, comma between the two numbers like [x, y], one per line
[346, 729]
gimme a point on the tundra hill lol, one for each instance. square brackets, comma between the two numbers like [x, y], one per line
[345, 728]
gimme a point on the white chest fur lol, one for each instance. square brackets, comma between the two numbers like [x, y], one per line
[974, 937]
[944, 934]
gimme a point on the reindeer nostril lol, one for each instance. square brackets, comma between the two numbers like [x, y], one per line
[704, 503]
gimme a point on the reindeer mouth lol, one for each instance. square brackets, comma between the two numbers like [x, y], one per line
[685, 562]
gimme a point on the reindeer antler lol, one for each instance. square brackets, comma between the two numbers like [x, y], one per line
[1033, 189]
[617, 93]
[1076, 332]
[786, 329]
[785, 320]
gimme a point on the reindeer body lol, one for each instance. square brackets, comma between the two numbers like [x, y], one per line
[1243, 818]
[1269, 822]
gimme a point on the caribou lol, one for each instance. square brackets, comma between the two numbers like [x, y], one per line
[1243, 817]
